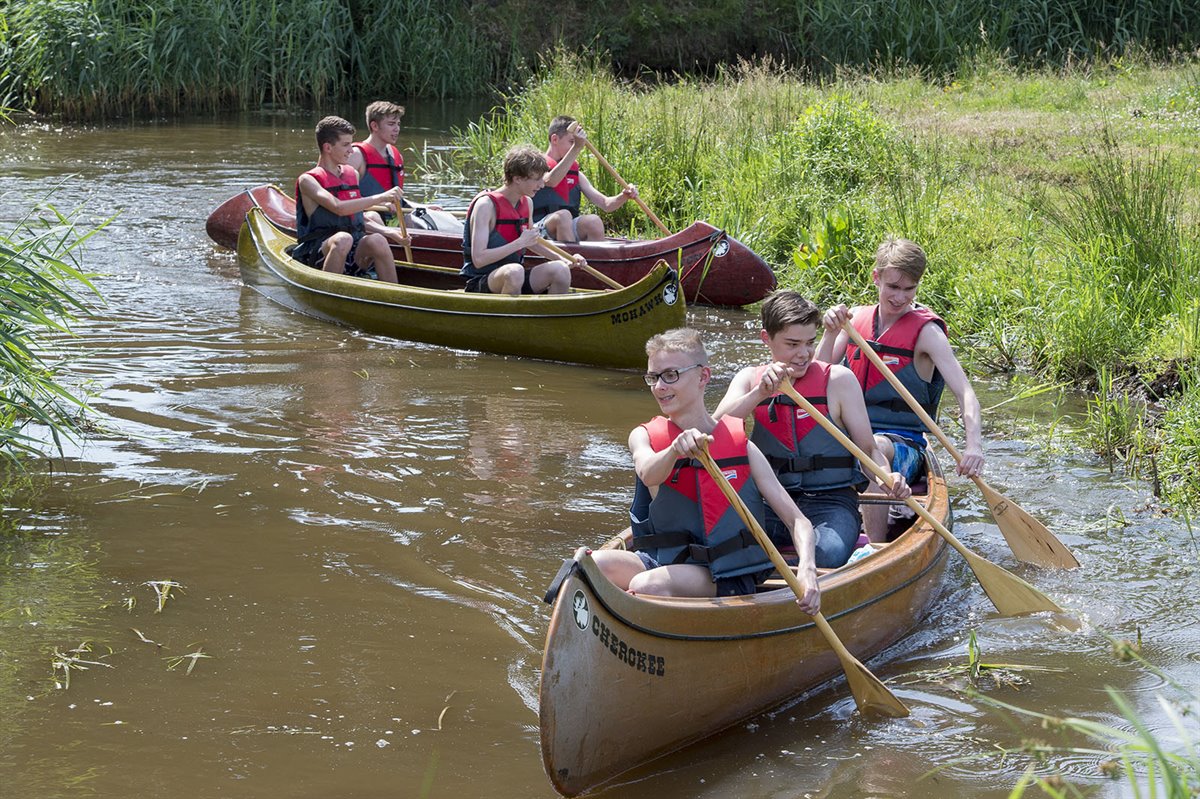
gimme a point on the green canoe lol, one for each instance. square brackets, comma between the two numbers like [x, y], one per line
[602, 328]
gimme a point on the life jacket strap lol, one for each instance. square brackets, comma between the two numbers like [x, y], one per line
[810, 463]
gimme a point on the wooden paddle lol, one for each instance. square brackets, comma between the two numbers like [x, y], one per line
[604, 163]
[1011, 595]
[1028, 538]
[871, 695]
[570, 259]
[403, 230]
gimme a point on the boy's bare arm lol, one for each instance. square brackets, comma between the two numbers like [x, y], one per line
[933, 342]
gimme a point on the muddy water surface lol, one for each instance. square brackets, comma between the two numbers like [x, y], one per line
[362, 529]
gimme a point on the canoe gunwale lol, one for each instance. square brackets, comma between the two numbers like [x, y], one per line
[583, 573]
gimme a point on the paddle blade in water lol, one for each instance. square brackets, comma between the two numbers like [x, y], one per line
[1028, 538]
[1011, 595]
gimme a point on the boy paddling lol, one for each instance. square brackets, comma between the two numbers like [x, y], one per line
[331, 233]
[498, 232]
[819, 474]
[557, 206]
[912, 341]
[687, 539]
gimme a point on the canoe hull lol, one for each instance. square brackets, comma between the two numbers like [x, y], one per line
[597, 328]
[716, 269]
[622, 675]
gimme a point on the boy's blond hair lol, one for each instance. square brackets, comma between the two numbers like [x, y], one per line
[681, 339]
[378, 110]
[905, 255]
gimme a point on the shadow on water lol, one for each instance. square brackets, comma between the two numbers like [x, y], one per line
[363, 528]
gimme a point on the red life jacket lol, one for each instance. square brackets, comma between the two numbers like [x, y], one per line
[801, 452]
[510, 222]
[323, 223]
[380, 175]
[565, 195]
[896, 348]
[689, 520]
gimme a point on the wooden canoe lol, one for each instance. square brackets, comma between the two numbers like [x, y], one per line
[716, 268]
[626, 679]
[600, 328]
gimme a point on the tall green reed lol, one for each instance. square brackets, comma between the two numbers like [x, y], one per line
[38, 271]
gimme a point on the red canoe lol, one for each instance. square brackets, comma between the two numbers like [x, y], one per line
[716, 268]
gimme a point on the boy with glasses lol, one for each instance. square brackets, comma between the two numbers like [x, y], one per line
[687, 539]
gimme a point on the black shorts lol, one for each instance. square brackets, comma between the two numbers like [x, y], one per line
[316, 259]
[479, 284]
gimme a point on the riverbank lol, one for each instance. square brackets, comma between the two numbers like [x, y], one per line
[1058, 208]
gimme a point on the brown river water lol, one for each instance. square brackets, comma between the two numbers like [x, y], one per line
[362, 529]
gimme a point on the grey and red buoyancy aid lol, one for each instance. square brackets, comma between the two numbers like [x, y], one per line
[565, 195]
[383, 170]
[689, 520]
[312, 229]
[896, 348]
[510, 222]
[801, 452]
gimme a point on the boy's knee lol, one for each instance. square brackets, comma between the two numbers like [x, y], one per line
[591, 227]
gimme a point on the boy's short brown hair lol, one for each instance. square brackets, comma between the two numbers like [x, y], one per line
[524, 161]
[680, 339]
[905, 255]
[379, 109]
[560, 124]
[332, 128]
[786, 308]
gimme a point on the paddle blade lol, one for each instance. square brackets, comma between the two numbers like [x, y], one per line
[1028, 538]
[1011, 595]
[870, 695]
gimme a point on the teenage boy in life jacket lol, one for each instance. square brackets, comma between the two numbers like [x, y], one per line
[498, 232]
[380, 166]
[912, 341]
[330, 230]
[819, 474]
[556, 206]
[687, 539]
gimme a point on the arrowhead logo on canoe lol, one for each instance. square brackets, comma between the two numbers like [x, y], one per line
[583, 613]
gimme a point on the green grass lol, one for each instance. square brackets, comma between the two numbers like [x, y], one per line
[1058, 208]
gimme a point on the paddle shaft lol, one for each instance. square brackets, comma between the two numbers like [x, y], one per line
[1044, 549]
[869, 693]
[1030, 600]
[570, 259]
[403, 231]
[612, 171]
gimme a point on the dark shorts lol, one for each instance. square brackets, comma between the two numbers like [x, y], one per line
[316, 259]
[479, 284]
[726, 586]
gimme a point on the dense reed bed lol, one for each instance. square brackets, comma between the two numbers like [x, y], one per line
[98, 58]
[1058, 209]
